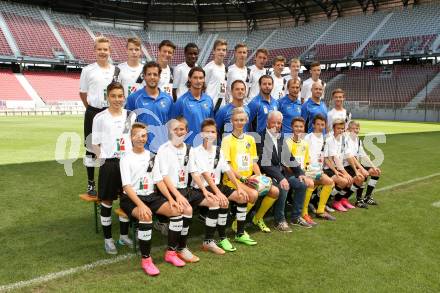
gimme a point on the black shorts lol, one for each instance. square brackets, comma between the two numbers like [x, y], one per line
[366, 168]
[194, 196]
[350, 171]
[88, 124]
[154, 201]
[329, 172]
[109, 180]
[226, 190]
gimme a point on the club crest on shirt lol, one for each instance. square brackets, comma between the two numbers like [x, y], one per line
[248, 145]
[265, 110]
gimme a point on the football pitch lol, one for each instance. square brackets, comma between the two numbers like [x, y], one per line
[48, 243]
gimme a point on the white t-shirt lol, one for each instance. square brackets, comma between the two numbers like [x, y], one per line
[166, 81]
[255, 74]
[334, 114]
[180, 78]
[128, 77]
[287, 78]
[335, 147]
[215, 81]
[306, 89]
[236, 73]
[316, 142]
[354, 148]
[94, 81]
[203, 161]
[134, 172]
[170, 161]
[112, 133]
[278, 87]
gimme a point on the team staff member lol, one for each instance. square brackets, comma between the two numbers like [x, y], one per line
[261, 105]
[110, 140]
[313, 107]
[195, 106]
[165, 54]
[290, 105]
[93, 93]
[181, 71]
[141, 199]
[270, 153]
[152, 105]
[223, 116]
[130, 75]
[216, 75]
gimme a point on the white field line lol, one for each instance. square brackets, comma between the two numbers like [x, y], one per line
[104, 262]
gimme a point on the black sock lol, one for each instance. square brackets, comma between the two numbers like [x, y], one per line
[315, 197]
[360, 191]
[336, 192]
[353, 189]
[187, 220]
[211, 223]
[174, 231]
[144, 236]
[162, 219]
[91, 174]
[106, 220]
[124, 225]
[221, 222]
[241, 218]
[371, 185]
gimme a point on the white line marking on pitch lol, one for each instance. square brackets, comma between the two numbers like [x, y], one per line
[436, 204]
[103, 262]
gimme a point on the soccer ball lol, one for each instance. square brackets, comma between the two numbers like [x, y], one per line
[314, 171]
[260, 183]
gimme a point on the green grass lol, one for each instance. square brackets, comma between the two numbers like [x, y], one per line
[45, 228]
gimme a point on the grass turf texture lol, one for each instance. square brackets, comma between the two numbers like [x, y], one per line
[45, 228]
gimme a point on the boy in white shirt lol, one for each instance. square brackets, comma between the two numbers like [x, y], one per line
[367, 169]
[338, 112]
[131, 71]
[238, 70]
[279, 82]
[93, 93]
[141, 199]
[256, 71]
[216, 75]
[110, 140]
[181, 71]
[315, 73]
[165, 54]
[172, 166]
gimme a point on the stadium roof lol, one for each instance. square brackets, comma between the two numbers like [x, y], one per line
[201, 11]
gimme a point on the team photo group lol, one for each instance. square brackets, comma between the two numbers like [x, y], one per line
[231, 143]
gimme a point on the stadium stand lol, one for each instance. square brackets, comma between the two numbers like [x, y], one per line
[388, 33]
[11, 87]
[5, 50]
[48, 85]
[408, 27]
[30, 31]
[381, 87]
